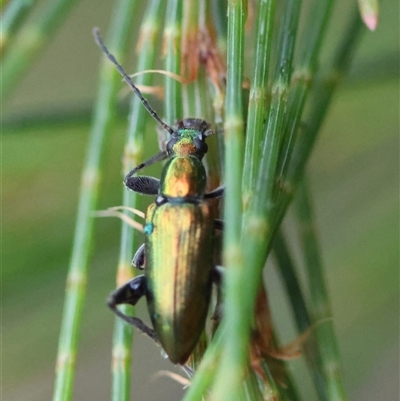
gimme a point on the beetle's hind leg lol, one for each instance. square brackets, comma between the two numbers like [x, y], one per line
[218, 224]
[130, 293]
[217, 278]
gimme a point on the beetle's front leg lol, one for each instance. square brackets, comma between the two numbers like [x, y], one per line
[143, 184]
[130, 293]
[138, 260]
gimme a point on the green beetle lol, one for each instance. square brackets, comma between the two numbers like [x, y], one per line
[179, 234]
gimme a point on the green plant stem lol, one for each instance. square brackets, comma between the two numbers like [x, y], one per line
[316, 24]
[257, 111]
[193, 13]
[321, 98]
[290, 280]
[122, 343]
[205, 373]
[262, 203]
[218, 11]
[271, 392]
[31, 39]
[77, 275]
[320, 305]
[300, 313]
[12, 19]
[252, 388]
[172, 46]
[235, 350]
[256, 225]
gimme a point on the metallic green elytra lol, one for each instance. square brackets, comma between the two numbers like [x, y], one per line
[179, 234]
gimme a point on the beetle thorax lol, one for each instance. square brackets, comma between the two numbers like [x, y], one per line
[184, 147]
[183, 177]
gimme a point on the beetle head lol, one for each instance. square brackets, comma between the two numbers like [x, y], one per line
[189, 138]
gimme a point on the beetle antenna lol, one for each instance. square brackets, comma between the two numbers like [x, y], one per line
[128, 80]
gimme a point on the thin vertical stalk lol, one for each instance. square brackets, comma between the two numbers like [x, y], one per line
[122, 343]
[321, 98]
[289, 277]
[256, 226]
[11, 20]
[280, 89]
[77, 275]
[316, 24]
[218, 11]
[205, 373]
[193, 12]
[30, 41]
[172, 46]
[235, 350]
[301, 316]
[320, 305]
[252, 388]
[258, 92]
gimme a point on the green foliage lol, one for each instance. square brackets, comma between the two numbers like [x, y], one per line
[267, 145]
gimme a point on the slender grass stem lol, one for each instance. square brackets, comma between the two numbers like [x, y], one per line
[252, 388]
[234, 357]
[289, 277]
[172, 46]
[31, 39]
[300, 313]
[257, 111]
[321, 98]
[280, 89]
[77, 275]
[133, 155]
[317, 24]
[256, 226]
[205, 373]
[193, 12]
[12, 19]
[320, 305]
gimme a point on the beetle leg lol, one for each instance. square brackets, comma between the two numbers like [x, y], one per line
[217, 277]
[143, 184]
[130, 293]
[138, 259]
[156, 158]
[215, 193]
[218, 224]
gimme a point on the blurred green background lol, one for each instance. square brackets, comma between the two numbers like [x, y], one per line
[355, 179]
